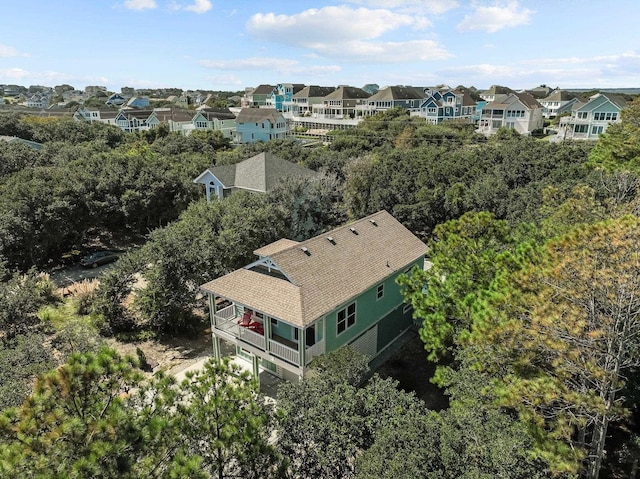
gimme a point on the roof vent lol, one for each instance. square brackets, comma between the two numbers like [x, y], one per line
[353, 230]
[373, 222]
[331, 240]
[305, 251]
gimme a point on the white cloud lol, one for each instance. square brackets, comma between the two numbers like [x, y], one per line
[140, 4]
[620, 70]
[424, 6]
[384, 52]
[280, 65]
[348, 34]
[496, 17]
[335, 24]
[7, 51]
[253, 63]
[199, 6]
[14, 73]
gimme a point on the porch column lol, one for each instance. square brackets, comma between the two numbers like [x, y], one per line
[217, 352]
[267, 332]
[215, 340]
[302, 341]
[255, 361]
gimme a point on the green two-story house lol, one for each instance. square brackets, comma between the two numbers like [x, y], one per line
[299, 300]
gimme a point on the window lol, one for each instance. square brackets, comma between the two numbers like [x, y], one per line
[346, 318]
[581, 128]
[582, 115]
[596, 130]
[380, 291]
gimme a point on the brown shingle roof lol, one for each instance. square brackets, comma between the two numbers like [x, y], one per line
[330, 275]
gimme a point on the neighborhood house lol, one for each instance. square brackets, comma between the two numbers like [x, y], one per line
[299, 300]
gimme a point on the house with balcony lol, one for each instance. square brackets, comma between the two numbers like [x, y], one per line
[440, 105]
[591, 119]
[259, 174]
[134, 120]
[260, 124]
[341, 103]
[96, 115]
[257, 97]
[556, 102]
[519, 111]
[302, 102]
[299, 300]
[398, 96]
[220, 119]
[496, 93]
[177, 119]
[282, 96]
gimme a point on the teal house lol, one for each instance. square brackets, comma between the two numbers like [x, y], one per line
[589, 121]
[299, 300]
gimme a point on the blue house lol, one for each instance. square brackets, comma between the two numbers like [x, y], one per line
[260, 124]
[282, 96]
[591, 119]
[444, 105]
[297, 301]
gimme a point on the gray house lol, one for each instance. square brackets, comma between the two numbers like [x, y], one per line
[260, 173]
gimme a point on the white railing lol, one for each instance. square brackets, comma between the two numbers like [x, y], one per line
[252, 337]
[226, 313]
[313, 351]
[284, 352]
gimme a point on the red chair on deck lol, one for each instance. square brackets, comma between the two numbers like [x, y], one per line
[245, 321]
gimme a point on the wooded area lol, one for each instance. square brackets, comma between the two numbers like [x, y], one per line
[531, 308]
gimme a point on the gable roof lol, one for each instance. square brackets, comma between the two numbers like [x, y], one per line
[330, 275]
[258, 115]
[173, 114]
[262, 172]
[313, 91]
[347, 93]
[263, 90]
[559, 95]
[217, 113]
[398, 92]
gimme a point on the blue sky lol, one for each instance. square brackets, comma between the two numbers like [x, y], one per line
[230, 45]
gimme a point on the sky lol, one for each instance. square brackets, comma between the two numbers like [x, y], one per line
[229, 45]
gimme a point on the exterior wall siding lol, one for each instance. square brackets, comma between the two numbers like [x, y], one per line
[369, 311]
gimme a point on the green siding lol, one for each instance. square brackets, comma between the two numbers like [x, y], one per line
[392, 325]
[370, 310]
[283, 330]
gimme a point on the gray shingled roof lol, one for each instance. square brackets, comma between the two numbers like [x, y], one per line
[399, 92]
[313, 91]
[262, 172]
[258, 115]
[263, 90]
[217, 113]
[559, 95]
[331, 274]
[347, 93]
[174, 114]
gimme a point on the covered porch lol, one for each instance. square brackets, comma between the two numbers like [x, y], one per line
[287, 346]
